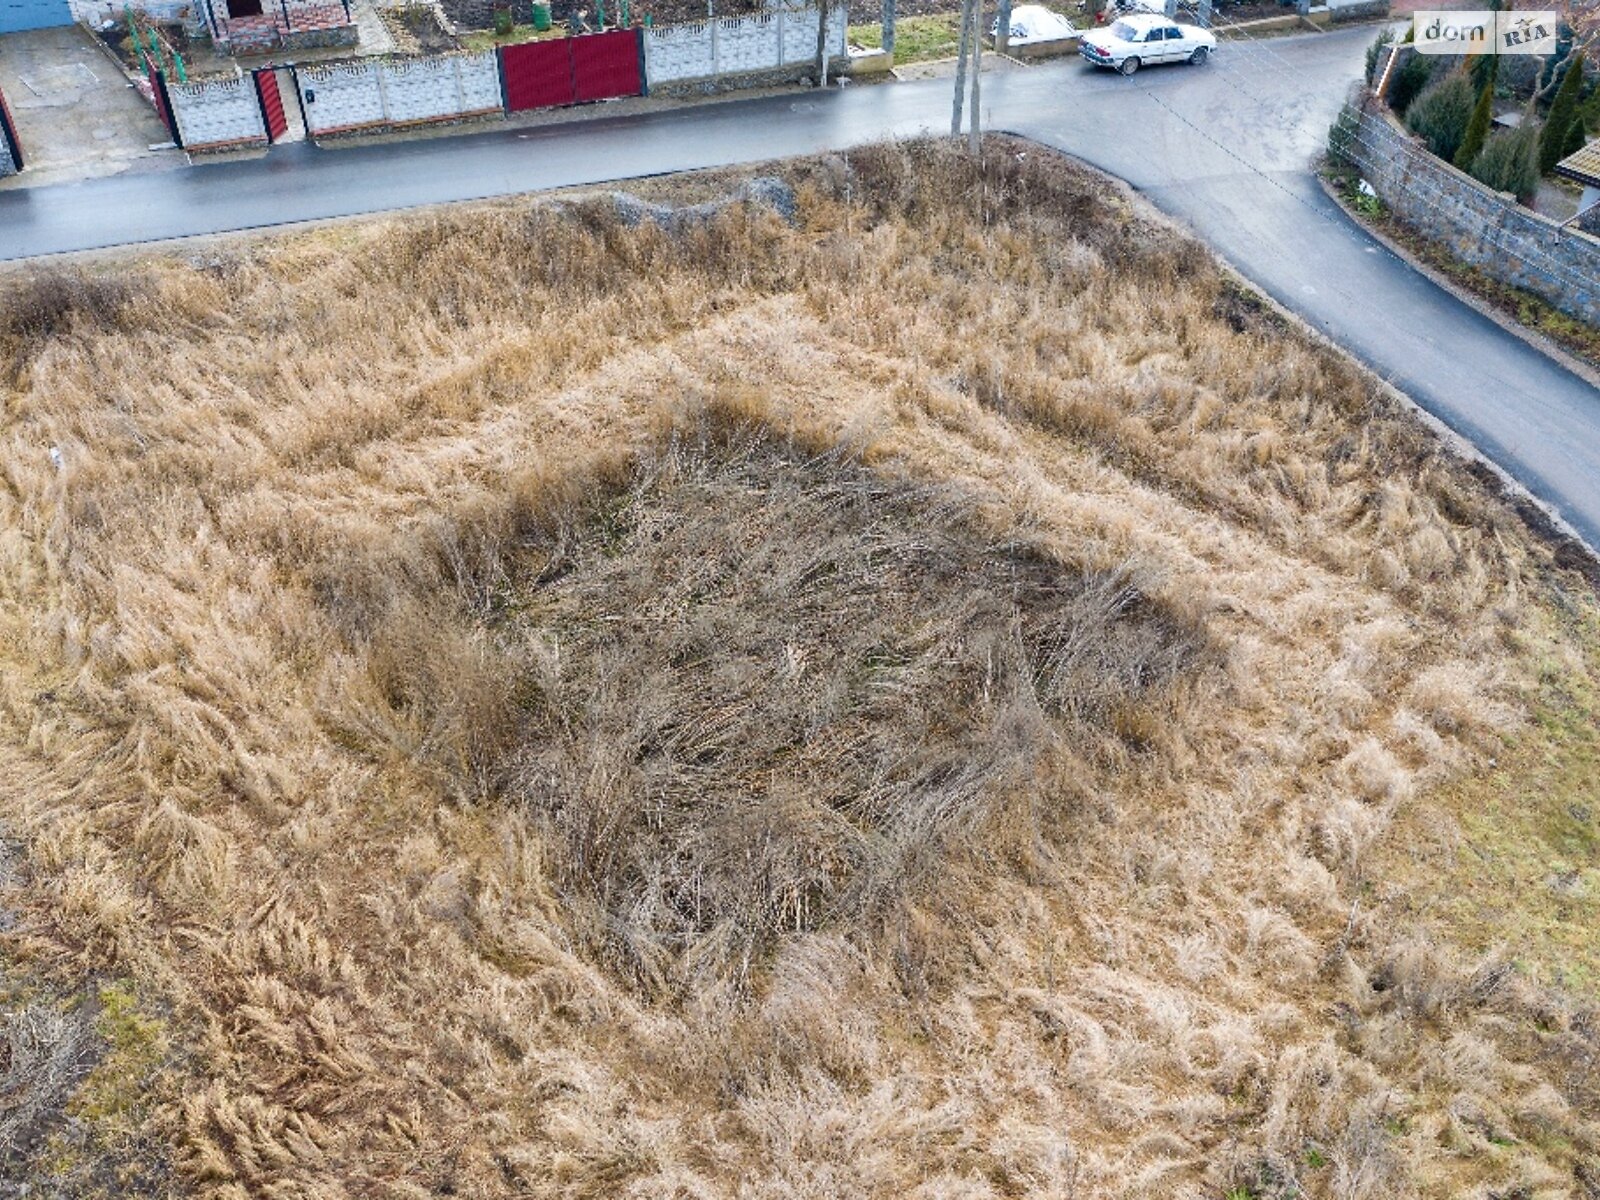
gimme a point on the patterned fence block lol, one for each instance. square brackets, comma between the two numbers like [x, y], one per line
[420, 89]
[739, 45]
[341, 97]
[480, 82]
[800, 34]
[679, 52]
[440, 89]
[746, 44]
[217, 112]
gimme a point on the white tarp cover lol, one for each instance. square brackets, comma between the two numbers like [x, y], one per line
[1036, 23]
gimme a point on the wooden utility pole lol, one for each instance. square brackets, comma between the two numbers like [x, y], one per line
[977, 67]
[888, 30]
[824, 12]
[962, 43]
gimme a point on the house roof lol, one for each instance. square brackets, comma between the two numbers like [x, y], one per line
[1584, 166]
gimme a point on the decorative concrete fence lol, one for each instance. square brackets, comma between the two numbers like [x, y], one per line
[215, 114]
[1488, 229]
[344, 97]
[732, 46]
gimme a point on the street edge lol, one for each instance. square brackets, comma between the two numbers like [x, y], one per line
[1538, 341]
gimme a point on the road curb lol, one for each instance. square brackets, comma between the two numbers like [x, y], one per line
[1532, 337]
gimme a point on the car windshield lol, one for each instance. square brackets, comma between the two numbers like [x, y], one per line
[1124, 32]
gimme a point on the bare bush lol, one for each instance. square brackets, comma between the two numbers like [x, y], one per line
[783, 694]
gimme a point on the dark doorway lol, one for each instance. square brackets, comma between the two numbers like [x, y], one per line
[244, 8]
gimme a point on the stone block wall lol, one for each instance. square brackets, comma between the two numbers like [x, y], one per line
[319, 39]
[781, 40]
[1487, 229]
[216, 113]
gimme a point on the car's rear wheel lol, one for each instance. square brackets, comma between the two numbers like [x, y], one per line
[1201, 53]
[1129, 65]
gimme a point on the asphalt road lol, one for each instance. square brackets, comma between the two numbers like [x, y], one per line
[1225, 148]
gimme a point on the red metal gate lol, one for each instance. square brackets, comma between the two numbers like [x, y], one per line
[8, 133]
[593, 66]
[606, 65]
[537, 74]
[271, 100]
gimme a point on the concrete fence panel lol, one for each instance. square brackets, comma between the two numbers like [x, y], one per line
[217, 112]
[800, 34]
[341, 97]
[1489, 230]
[749, 44]
[736, 46]
[673, 52]
[440, 89]
[421, 89]
[480, 82]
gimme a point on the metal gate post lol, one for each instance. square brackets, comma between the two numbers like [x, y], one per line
[8, 132]
[158, 83]
[300, 99]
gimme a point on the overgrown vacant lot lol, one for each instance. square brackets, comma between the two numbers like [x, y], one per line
[947, 698]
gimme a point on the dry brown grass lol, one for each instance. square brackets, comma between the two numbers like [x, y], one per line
[907, 705]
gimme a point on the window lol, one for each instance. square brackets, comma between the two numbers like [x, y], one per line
[1174, 34]
[1124, 32]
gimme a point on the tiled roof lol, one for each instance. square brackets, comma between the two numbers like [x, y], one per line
[1584, 166]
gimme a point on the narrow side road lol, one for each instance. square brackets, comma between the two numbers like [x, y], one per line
[1226, 148]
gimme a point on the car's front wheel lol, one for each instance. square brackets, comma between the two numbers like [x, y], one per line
[1201, 53]
[1129, 65]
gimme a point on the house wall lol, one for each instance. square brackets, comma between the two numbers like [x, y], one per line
[1485, 228]
[93, 12]
[217, 112]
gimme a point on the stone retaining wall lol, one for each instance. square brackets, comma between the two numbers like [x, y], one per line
[1487, 229]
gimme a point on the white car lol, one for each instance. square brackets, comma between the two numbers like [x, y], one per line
[1143, 40]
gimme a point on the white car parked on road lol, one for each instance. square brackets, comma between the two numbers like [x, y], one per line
[1143, 40]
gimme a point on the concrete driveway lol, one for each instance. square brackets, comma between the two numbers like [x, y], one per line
[77, 117]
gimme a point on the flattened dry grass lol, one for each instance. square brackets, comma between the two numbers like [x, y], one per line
[913, 703]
